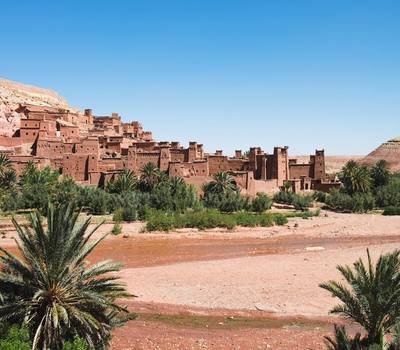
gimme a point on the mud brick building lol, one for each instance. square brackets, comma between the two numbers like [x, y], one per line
[92, 149]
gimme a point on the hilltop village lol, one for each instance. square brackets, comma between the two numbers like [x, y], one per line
[94, 149]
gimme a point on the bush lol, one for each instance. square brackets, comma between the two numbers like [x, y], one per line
[389, 195]
[391, 211]
[15, 338]
[280, 219]
[302, 202]
[246, 219]
[117, 229]
[363, 202]
[118, 215]
[76, 344]
[359, 202]
[320, 196]
[160, 221]
[261, 203]
[129, 214]
[11, 201]
[284, 197]
[175, 195]
[205, 219]
[338, 200]
[227, 202]
[94, 199]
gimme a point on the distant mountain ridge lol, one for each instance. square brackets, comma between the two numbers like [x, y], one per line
[13, 93]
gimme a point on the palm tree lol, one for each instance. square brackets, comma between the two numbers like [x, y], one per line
[380, 173]
[150, 176]
[373, 299]
[177, 184]
[222, 183]
[356, 178]
[5, 164]
[125, 182]
[8, 179]
[342, 341]
[49, 286]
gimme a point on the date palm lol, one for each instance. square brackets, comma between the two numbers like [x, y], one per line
[356, 178]
[125, 182]
[5, 164]
[342, 341]
[380, 173]
[222, 183]
[49, 286]
[150, 176]
[8, 179]
[372, 297]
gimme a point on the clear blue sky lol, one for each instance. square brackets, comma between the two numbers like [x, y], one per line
[227, 73]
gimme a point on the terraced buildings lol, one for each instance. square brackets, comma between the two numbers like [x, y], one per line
[93, 149]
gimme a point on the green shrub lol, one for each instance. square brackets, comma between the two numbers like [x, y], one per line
[174, 195]
[302, 202]
[94, 199]
[266, 221]
[129, 214]
[76, 344]
[359, 202]
[309, 214]
[15, 338]
[389, 195]
[117, 229]
[227, 202]
[261, 203]
[284, 197]
[338, 200]
[391, 211]
[160, 221]
[11, 201]
[320, 196]
[246, 219]
[280, 219]
[118, 215]
[363, 202]
[206, 219]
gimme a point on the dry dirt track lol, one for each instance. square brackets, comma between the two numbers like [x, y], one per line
[246, 289]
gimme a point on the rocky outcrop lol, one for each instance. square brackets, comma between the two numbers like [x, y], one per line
[12, 94]
[388, 151]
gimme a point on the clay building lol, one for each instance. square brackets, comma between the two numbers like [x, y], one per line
[92, 149]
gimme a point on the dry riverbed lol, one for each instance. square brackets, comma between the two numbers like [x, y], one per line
[241, 289]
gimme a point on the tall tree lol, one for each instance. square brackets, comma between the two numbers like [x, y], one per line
[356, 178]
[222, 183]
[49, 286]
[125, 182]
[5, 164]
[150, 177]
[380, 173]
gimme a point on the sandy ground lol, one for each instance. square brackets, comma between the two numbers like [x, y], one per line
[282, 283]
[240, 289]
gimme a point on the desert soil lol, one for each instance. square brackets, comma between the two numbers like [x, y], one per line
[240, 289]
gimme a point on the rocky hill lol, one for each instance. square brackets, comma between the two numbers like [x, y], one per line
[389, 151]
[13, 93]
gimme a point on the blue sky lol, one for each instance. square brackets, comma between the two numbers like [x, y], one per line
[227, 73]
